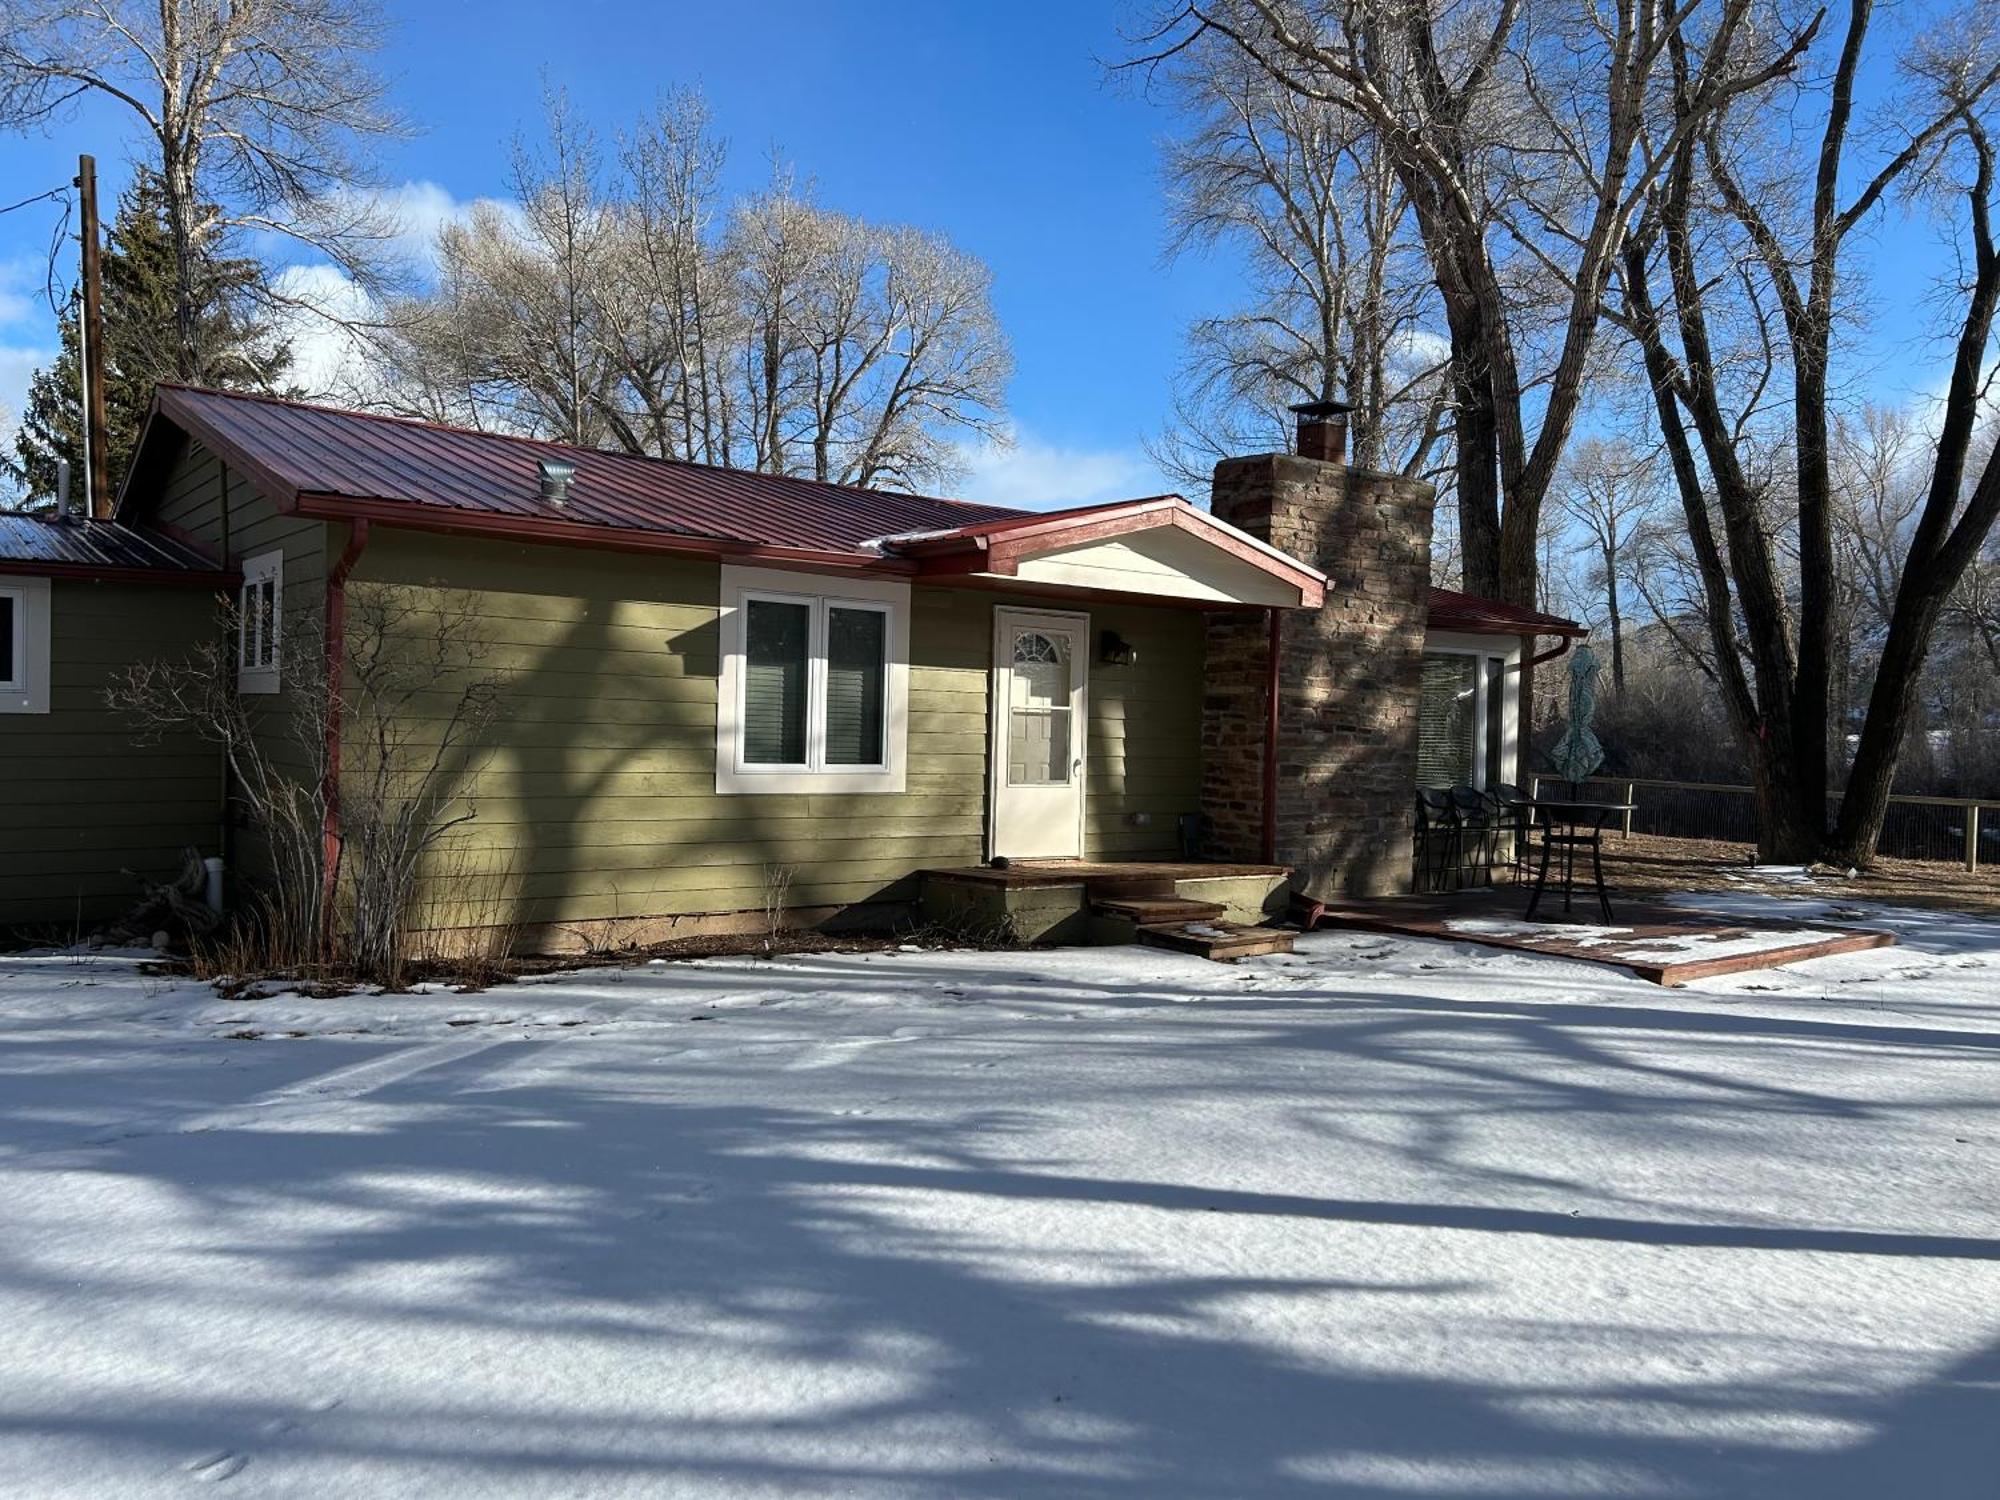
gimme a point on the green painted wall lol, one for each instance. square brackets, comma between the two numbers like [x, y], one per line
[224, 512]
[81, 802]
[595, 796]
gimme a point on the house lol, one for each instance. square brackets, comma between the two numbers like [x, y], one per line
[82, 804]
[719, 684]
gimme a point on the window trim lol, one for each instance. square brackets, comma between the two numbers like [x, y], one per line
[891, 598]
[260, 677]
[27, 689]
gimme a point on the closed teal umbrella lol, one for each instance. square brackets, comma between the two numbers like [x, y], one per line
[1578, 754]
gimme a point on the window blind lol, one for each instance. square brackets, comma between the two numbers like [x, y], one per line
[777, 638]
[856, 669]
[1445, 721]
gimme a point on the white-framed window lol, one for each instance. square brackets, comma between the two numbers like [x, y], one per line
[24, 645]
[260, 622]
[1466, 711]
[814, 682]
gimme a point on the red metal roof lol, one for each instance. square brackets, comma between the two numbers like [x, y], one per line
[327, 462]
[42, 544]
[1451, 610]
[294, 450]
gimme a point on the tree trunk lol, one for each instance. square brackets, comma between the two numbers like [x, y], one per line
[1478, 462]
[1898, 681]
[1617, 628]
[1786, 833]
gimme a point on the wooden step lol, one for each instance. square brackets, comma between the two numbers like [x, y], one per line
[1154, 912]
[1224, 942]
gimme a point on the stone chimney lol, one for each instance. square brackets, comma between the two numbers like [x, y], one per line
[1348, 673]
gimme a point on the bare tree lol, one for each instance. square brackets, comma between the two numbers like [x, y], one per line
[1775, 264]
[1518, 147]
[1608, 490]
[617, 310]
[671, 309]
[256, 118]
[1341, 306]
[513, 334]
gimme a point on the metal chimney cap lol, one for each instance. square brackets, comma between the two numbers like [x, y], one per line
[1320, 411]
[556, 474]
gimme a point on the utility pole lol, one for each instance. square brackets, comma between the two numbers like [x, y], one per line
[95, 438]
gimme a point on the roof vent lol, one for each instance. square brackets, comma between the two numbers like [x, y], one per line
[556, 475]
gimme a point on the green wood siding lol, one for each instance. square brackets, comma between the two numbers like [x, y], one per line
[223, 511]
[596, 795]
[81, 802]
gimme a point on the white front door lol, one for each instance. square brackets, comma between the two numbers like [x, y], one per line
[1041, 663]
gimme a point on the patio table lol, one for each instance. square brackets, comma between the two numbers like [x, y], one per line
[1582, 824]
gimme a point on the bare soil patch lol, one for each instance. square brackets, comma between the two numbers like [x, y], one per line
[1646, 864]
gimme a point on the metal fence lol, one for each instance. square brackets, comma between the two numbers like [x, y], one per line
[1934, 828]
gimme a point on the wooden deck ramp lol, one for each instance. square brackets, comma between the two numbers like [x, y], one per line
[1667, 944]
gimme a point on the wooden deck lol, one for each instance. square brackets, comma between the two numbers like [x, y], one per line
[1666, 944]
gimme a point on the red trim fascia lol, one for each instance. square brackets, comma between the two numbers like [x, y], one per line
[279, 490]
[971, 558]
[1308, 581]
[1272, 683]
[1000, 546]
[1026, 522]
[336, 664]
[412, 516]
[182, 577]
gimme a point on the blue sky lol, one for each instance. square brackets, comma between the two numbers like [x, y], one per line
[994, 123]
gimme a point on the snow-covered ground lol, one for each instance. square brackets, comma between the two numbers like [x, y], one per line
[1384, 1218]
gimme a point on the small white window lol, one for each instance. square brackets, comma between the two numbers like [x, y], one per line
[260, 622]
[814, 674]
[24, 645]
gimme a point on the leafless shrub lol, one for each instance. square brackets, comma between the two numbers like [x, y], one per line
[415, 706]
[409, 717]
[275, 748]
[777, 887]
[473, 895]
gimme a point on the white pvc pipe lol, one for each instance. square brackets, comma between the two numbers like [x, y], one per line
[211, 892]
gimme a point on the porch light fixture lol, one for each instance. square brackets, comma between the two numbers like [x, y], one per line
[1114, 650]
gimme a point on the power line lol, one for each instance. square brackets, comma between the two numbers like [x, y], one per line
[51, 196]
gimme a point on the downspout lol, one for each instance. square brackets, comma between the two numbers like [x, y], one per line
[1271, 658]
[225, 834]
[336, 663]
[1560, 649]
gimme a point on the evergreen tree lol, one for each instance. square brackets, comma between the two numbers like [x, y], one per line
[234, 349]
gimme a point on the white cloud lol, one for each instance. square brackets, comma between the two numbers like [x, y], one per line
[21, 308]
[327, 358]
[1037, 475]
[418, 210]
